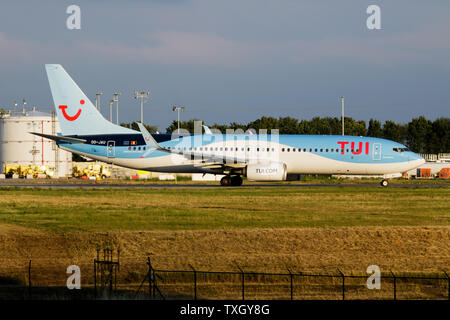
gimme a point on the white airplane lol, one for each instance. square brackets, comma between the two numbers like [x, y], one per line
[86, 132]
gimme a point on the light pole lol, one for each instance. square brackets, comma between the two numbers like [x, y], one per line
[116, 98]
[175, 108]
[23, 106]
[15, 105]
[110, 109]
[342, 103]
[97, 100]
[142, 95]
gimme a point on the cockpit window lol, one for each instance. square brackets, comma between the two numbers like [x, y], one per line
[400, 149]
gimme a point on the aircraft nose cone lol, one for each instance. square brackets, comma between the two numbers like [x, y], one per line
[416, 158]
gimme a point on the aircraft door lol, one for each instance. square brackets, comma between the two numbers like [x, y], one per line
[111, 149]
[376, 155]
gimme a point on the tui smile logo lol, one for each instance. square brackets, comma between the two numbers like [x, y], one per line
[71, 118]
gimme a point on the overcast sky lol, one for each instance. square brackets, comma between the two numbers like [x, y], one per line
[234, 60]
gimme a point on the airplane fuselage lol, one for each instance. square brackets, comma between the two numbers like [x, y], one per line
[272, 157]
[302, 154]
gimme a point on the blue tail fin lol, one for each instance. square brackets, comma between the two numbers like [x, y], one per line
[76, 113]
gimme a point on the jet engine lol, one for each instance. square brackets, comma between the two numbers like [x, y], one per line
[271, 171]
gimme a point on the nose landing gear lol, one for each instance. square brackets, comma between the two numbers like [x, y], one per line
[231, 181]
[384, 183]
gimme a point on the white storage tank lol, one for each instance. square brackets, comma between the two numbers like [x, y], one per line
[20, 148]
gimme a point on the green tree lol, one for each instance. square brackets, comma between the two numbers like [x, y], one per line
[236, 126]
[134, 126]
[304, 127]
[374, 129]
[187, 125]
[420, 135]
[419, 129]
[335, 125]
[221, 127]
[439, 137]
[394, 131]
[319, 126]
[287, 125]
[355, 128]
[264, 123]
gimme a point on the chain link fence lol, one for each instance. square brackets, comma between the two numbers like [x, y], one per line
[133, 279]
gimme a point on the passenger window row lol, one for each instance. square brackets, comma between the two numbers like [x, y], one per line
[260, 149]
[136, 148]
[316, 150]
[219, 149]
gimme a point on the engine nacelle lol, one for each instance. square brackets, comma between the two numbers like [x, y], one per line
[272, 171]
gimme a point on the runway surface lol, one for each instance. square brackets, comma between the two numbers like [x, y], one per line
[201, 186]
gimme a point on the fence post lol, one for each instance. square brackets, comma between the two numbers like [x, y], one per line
[149, 275]
[102, 272]
[118, 259]
[97, 271]
[243, 281]
[111, 266]
[292, 285]
[95, 279]
[29, 280]
[115, 277]
[195, 282]
[343, 284]
[448, 279]
[395, 285]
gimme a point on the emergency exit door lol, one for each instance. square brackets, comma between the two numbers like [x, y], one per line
[376, 154]
[111, 149]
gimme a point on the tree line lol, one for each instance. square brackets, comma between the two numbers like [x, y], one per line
[419, 135]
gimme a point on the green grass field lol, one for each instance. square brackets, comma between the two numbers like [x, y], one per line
[309, 229]
[223, 208]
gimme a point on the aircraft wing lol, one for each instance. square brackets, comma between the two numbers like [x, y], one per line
[205, 160]
[215, 161]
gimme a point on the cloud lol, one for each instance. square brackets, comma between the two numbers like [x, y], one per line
[175, 47]
[17, 52]
[164, 47]
[14, 50]
[428, 44]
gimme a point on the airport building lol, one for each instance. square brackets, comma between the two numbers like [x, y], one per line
[25, 155]
[436, 166]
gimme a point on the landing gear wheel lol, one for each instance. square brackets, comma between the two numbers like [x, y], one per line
[236, 181]
[384, 183]
[225, 181]
[231, 181]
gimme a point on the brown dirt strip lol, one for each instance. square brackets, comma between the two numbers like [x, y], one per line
[351, 249]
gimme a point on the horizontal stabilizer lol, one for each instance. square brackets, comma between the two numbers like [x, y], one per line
[59, 138]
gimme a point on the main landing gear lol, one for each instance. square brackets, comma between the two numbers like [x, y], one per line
[384, 183]
[234, 181]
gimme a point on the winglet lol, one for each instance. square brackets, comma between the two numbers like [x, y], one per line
[207, 130]
[149, 140]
